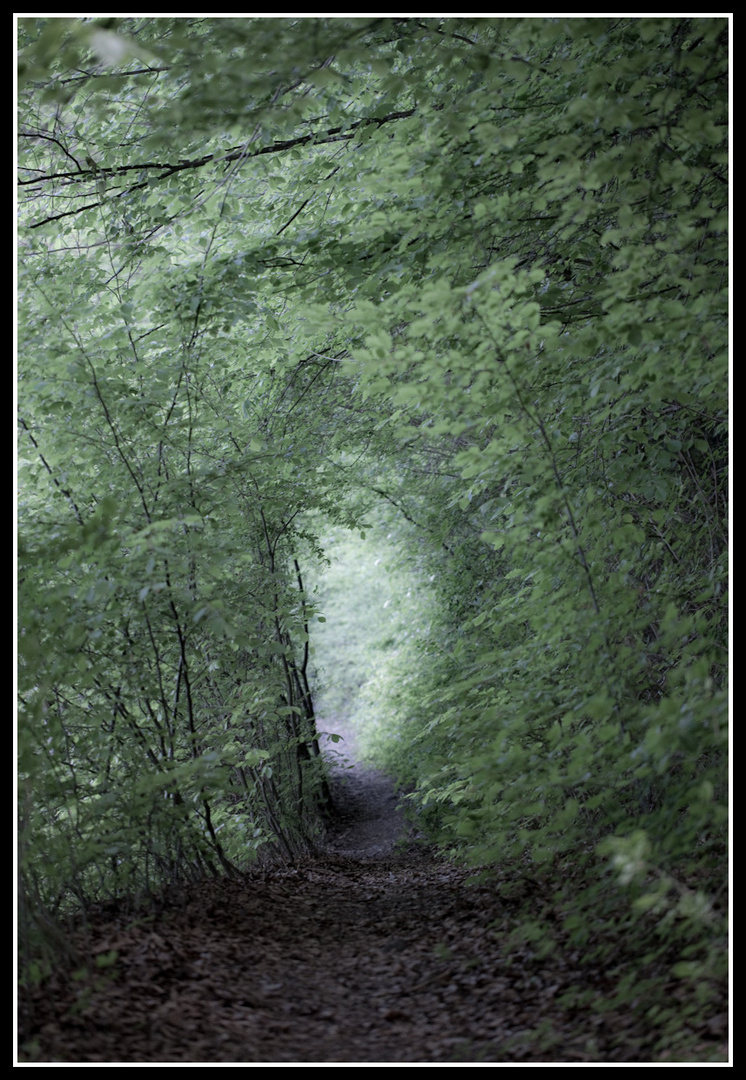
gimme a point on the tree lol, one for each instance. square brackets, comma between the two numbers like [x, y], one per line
[278, 268]
[160, 627]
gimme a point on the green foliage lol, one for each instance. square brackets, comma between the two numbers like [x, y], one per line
[377, 624]
[275, 271]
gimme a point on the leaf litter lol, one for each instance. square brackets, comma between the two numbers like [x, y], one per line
[375, 949]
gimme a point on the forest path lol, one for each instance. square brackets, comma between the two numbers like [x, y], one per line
[368, 820]
[359, 954]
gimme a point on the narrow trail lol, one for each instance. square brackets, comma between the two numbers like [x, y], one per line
[368, 822]
[368, 952]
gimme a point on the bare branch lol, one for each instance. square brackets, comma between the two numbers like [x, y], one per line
[337, 134]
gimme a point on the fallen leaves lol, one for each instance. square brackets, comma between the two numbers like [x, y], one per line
[361, 955]
[335, 960]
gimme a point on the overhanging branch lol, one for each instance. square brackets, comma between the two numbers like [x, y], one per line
[337, 134]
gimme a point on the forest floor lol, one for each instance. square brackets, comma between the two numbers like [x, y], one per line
[374, 950]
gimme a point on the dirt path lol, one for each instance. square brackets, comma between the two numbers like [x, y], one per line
[369, 822]
[366, 953]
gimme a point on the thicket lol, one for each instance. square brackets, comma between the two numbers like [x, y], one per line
[275, 272]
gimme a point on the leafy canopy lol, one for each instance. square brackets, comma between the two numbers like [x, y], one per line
[277, 271]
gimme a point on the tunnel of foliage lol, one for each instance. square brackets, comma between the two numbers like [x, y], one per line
[276, 273]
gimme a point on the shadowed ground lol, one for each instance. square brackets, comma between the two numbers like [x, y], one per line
[368, 952]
